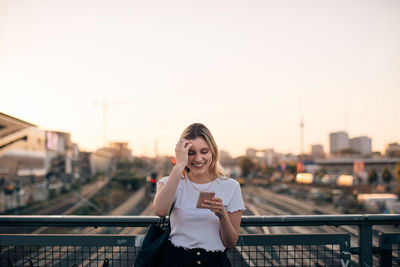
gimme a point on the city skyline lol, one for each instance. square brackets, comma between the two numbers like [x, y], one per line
[359, 143]
[250, 72]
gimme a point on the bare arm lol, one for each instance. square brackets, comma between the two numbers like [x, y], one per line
[229, 221]
[230, 226]
[166, 192]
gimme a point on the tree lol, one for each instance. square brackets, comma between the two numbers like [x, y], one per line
[372, 176]
[394, 154]
[268, 170]
[247, 166]
[347, 151]
[386, 175]
[397, 176]
[291, 168]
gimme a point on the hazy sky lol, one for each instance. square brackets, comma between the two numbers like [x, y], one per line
[249, 70]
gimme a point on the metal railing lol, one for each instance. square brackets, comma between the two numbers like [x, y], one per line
[318, 249]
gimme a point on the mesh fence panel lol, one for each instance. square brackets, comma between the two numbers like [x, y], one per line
[286, 255]
[395, 255]
[68, 255]
[252, 250]
[292, 250]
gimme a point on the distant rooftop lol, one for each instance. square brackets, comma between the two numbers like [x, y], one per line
[9, 124]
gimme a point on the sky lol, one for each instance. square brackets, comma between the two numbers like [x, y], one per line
[248, 70]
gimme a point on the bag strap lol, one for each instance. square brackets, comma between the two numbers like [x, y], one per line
[162, 219]
[172, 207]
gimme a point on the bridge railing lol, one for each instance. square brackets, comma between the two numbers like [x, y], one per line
[318, 249]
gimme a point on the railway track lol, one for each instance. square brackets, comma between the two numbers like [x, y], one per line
[261, 201]
[45, 256]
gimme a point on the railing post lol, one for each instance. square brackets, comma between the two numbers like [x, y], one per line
[365, 244]
[385, 252]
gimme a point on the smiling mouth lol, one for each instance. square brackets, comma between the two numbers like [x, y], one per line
[198, 165]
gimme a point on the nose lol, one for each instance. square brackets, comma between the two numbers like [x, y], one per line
[198, 157]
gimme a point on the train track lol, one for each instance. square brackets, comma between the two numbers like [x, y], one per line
[261, 201]
[46, 256]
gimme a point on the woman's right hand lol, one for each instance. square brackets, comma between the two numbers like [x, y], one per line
[182, 152]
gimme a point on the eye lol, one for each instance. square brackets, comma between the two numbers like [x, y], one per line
[204, 151]
[191, 152]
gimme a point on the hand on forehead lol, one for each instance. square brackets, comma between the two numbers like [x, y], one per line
[198, 143]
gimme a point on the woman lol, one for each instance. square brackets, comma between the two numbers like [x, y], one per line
[199, 236]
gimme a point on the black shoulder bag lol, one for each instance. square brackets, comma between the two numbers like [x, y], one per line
[154, 243]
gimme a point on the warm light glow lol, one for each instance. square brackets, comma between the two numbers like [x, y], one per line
[383, 196]
[345, 180]
[304, 178]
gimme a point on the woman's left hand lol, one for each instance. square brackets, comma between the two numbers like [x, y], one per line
[216, 206]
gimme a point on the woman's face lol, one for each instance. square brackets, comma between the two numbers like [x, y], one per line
[200, 157]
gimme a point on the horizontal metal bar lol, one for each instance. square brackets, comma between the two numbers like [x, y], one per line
[67, 240]
[141, 221]
[294, 239]
[129, 240]
[77, 221]
[335, 220]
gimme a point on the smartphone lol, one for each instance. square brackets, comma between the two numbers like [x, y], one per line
[203, 196]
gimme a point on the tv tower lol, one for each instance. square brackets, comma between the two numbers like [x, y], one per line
[301, 136]
[301, 128]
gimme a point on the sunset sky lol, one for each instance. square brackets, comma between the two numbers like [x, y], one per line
[249, 70]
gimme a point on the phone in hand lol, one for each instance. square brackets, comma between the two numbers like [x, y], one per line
[203, 196]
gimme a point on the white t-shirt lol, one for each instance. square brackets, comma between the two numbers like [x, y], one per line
[200, 228]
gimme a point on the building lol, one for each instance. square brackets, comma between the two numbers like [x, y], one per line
[317, 151]
[251, 153]
[33, 161]
[338, 141]
[22, 150]
[22, 160]
[101, 161]
[105, 159]
[271, 157]
[121, 151]
[361, 145]
[337, 166]
[264, 156]
[60, 152]
[392, 150]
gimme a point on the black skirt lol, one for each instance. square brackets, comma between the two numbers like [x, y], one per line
[182, 257]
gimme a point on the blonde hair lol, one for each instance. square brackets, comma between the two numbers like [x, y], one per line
[200, 130]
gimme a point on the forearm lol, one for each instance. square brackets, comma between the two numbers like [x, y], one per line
[229, 235]
[166, 193]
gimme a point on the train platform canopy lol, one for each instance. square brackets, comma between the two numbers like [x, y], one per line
[10, 125]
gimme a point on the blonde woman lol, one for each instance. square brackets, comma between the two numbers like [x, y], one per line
[201, 232]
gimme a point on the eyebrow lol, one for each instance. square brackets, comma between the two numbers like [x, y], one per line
[201, 149]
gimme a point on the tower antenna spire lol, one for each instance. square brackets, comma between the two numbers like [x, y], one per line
[301, 127]
[301, 136]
